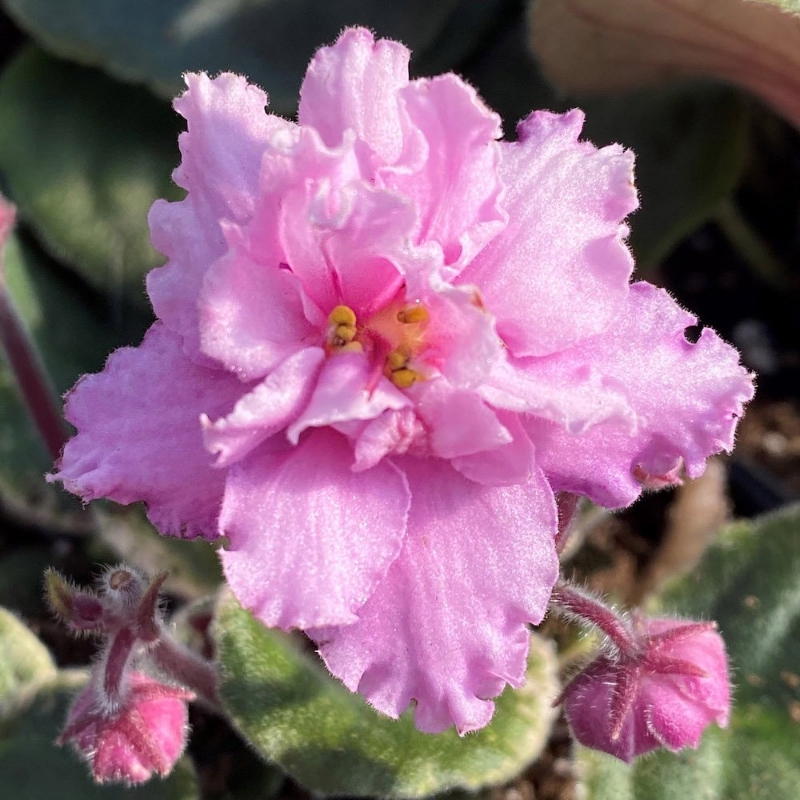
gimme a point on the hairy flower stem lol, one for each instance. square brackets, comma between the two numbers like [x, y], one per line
[119, 654]
[187, 668]
[585, 607]
[37, 393]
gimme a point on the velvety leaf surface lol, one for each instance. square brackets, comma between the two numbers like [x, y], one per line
[690, 140]
[24, 660]
[270, 41]
[286, 705]
[749, 581]
[73, 333]
[33, 768]
[621, 44]
[84, 158]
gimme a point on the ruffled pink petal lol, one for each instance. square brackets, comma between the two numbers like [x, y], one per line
[672, 719]
[139, 435]
[459, 423]
[267, 409]
[687, 398]
[222, 149]
[353, 85]
[573, 394]
[347, 243]
[347, 390]
[566, 201]
[390, 433]
[252, 315]
[510, 463]
[227, 133]
[310, 539]
[461, 338]
[705, 650]
[447, 626]
[456, 189]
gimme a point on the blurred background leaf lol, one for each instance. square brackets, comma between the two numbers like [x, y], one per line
[270, 41]
[84, 158]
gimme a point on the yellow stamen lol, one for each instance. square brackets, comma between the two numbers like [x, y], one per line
[413, 315]
[344, 333]
[397, 359]
[352, 347]
[404, 378]
[342, 315]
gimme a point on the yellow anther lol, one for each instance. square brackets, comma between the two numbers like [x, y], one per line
[403, 378]
[413, 315]
[397, 359]
[351, 347]
[342, 315]
[344, 334]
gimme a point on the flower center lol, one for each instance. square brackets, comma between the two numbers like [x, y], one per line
[392, 338]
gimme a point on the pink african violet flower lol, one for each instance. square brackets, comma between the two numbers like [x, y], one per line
[145, 735]
[385, 339]
[663, 695]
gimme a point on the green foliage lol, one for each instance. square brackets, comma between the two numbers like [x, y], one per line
[84, 158]
[24, 660]
[296, 715]
[270, 41]
[749, 582]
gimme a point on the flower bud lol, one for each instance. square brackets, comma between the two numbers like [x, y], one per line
[662, 693]
[145, 734]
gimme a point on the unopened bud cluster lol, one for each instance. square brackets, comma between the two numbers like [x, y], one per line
[655, 683]
[130, 721]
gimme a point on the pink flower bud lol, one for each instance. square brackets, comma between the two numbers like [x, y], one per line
[664, 693]
[145, 734]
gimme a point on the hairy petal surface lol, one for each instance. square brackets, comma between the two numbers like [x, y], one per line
[252, 315]
[309, 538]
[228, 131]
[344, 393]
[353, 85]
[266, 410]
[565, 201]
[687, 399]
[139, 435]
[457, 188]
[447, 626]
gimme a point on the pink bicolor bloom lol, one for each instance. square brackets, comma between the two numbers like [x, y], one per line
[386, 338]
[146, 734]
[664, 695]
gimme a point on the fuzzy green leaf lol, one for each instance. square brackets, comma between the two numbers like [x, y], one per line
[85, 158]
[296, 715]
[24, 660]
